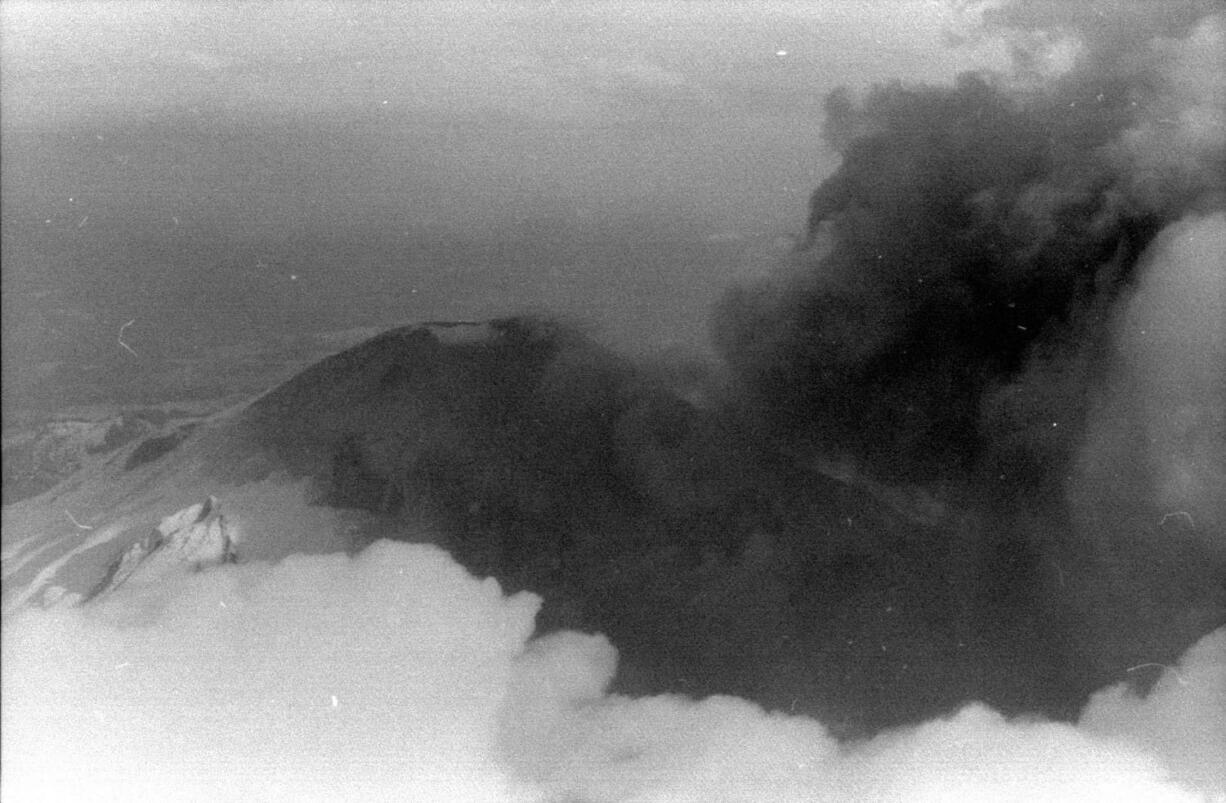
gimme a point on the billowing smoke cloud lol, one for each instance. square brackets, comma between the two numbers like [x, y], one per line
[940, 462]
[396, 675]
[970, 233]
[1169, 385]
[1010, 295]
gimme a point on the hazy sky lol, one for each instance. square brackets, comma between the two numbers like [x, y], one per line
[450, 110]
[226, 170]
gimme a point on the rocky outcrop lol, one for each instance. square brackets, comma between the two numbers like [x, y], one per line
[193, 539]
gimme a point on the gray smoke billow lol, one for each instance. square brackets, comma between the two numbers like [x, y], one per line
[965, 444]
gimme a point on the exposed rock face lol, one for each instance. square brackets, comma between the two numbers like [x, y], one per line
[191, 540]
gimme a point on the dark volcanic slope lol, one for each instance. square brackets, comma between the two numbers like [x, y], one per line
[659, 509]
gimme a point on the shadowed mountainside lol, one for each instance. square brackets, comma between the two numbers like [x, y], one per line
[652, 506]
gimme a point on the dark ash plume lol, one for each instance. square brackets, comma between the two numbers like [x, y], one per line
[967, 231]
[963, 313]
[926, 473]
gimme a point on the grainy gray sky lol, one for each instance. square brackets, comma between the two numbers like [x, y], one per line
[710, 107]
[231, 170]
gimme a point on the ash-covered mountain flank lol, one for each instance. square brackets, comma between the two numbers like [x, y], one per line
[656, 506]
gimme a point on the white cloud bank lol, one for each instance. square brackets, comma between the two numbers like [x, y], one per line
[396, 675]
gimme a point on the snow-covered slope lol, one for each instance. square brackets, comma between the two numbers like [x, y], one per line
[268, 464]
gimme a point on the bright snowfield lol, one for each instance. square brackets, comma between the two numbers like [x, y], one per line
[396, 675]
